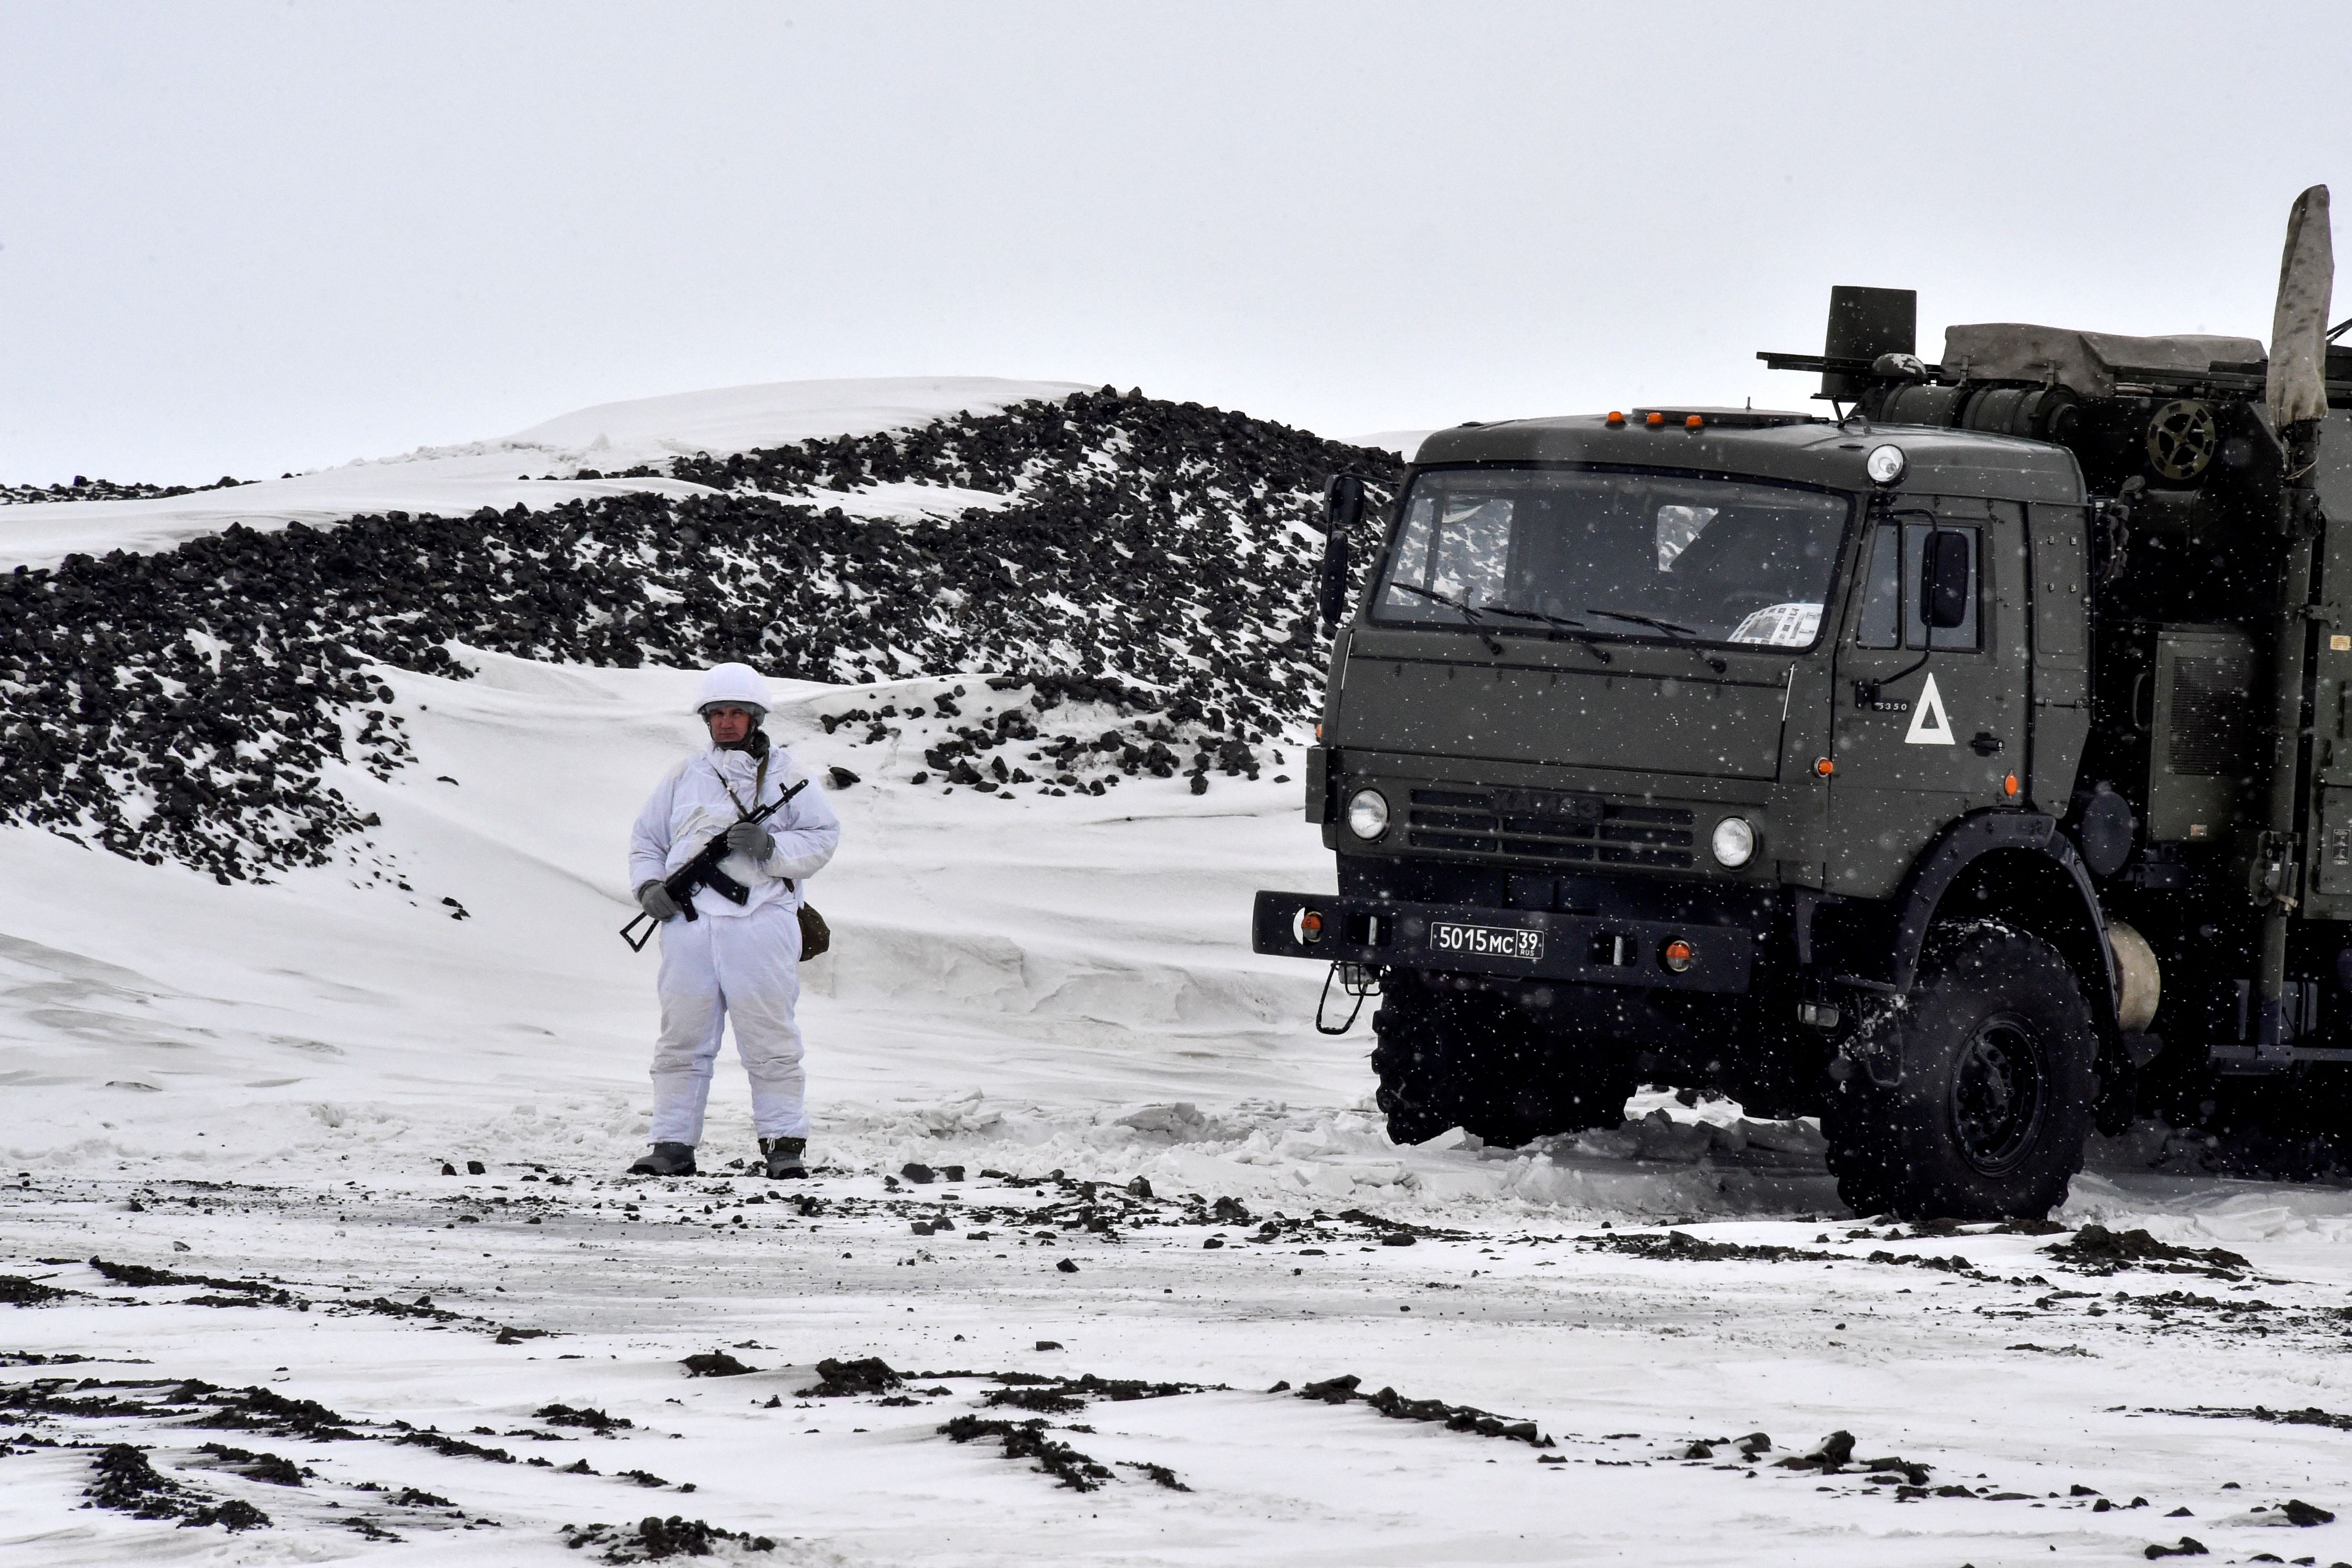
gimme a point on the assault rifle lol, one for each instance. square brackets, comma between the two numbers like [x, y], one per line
[702, 872]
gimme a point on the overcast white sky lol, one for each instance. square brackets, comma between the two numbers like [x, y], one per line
[250, 237]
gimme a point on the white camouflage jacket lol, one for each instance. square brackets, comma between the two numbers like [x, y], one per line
[691, 803]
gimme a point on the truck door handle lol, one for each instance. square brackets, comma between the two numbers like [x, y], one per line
[1986, 743]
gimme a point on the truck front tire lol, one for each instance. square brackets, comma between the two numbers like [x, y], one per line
[1994, 1054]
[1451, 1059]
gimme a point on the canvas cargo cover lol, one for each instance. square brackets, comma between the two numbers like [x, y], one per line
[2083, 362]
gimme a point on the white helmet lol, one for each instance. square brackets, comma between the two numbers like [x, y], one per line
[739, 685]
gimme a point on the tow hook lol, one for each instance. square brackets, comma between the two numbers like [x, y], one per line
[1357, 980]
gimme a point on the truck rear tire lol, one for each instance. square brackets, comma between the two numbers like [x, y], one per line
[1996, 1054]
[1410, 1086]
[1465, 1059]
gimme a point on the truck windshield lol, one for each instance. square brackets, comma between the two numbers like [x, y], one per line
[1630, 554]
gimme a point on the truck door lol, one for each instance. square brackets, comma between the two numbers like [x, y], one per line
[2059, 578]
[1932, 665]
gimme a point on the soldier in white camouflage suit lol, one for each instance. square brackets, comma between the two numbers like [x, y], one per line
[738, 961]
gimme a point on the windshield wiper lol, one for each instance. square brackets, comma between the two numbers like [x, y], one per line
[1573, 630]
[1470, 613]
[1671, 628]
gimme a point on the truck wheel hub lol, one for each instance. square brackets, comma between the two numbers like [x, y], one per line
[1999, 1095]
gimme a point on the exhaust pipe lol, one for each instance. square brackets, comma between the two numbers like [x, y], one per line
[2297, 395]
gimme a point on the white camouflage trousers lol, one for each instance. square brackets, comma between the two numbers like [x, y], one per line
[745, 967]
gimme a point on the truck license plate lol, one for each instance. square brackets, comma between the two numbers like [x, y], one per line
[1488, 941]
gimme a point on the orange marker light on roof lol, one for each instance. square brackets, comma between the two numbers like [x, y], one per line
[1693, 423]
[1825, 767]
[1616, 416]
[1657, 419]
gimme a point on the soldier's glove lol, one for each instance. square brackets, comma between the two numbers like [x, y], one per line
[656, 901]
[752, 839]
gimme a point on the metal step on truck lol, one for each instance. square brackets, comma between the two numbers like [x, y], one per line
[1966, 765]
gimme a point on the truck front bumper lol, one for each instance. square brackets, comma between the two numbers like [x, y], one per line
[1527, 943]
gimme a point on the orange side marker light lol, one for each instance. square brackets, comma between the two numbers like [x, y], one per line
[2009, 786]
[1825, 767]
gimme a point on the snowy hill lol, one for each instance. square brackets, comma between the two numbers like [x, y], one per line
[1134, 568]
[535, 469]
[364, 775]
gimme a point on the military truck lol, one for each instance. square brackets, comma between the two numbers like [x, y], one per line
[1953, 763]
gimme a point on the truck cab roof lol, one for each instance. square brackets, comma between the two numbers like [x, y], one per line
[1804, 449]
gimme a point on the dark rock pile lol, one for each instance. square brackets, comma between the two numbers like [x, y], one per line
[275, 1469]
[595, 1420]
[853, 1377]
[84, 488]
[2096, 1249]
[1147, 571]
[123, 1479]
[1027, 1440]
[1455, 1417]
[16, 1290]
[654, 1540]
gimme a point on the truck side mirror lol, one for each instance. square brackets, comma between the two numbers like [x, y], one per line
[1944, 579]
[1343, 508]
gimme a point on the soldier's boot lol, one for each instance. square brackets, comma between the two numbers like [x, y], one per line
[667, 1160]
[784, 1157]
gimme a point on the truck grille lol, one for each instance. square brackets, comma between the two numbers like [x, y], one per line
[1548, 826]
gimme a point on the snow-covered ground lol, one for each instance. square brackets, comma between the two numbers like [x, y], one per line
[263, 1084]
[1048, 955]
[1050, 1003]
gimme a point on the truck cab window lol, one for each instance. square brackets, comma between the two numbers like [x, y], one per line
[1891, 614]
[1616, 555]
[1464, 553]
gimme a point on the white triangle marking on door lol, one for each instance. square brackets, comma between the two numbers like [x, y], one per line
[1930, 725]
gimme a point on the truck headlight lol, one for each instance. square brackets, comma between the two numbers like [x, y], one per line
[1734, 842]
[1886, 465]
[1368, 813]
